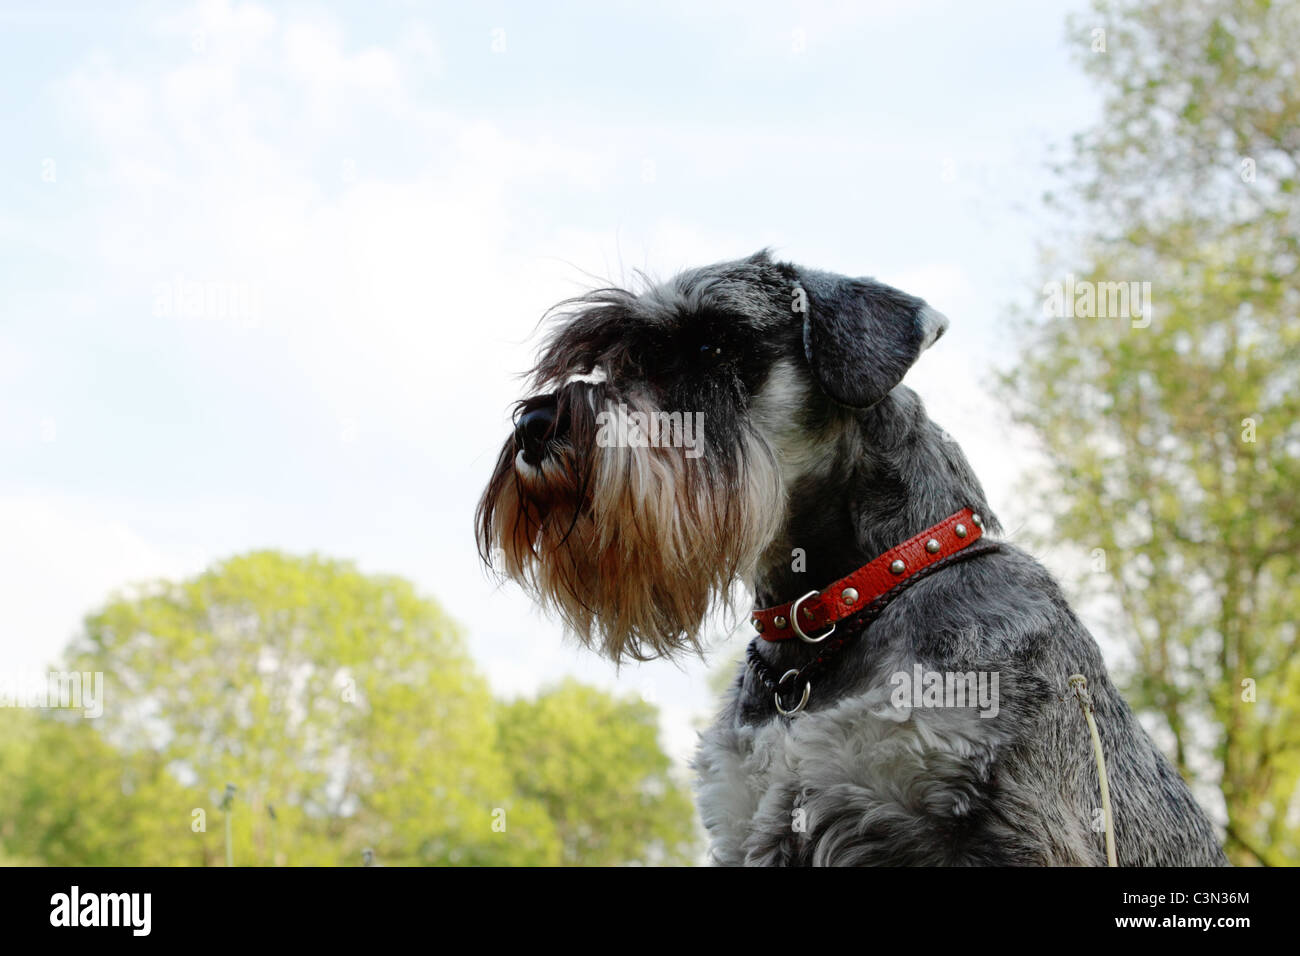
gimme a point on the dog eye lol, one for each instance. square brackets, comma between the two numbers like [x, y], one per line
[710, 351]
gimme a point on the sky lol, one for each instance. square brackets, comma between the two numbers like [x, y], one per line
[269, 272]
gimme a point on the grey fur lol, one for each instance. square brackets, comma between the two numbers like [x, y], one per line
[855, 779]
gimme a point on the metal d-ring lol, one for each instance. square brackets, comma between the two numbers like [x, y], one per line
[794, 622]
[807, 690]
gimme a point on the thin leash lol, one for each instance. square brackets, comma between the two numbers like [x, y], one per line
[1079, 685]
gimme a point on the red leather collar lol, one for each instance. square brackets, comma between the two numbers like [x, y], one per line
[822, 609]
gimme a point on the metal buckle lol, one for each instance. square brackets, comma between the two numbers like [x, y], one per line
[807, 691]
[794, 622]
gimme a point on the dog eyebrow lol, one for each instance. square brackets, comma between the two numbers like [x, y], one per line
[594, 377]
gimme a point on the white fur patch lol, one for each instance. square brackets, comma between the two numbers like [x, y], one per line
[933, 324]
[594, 377]
[773, 411]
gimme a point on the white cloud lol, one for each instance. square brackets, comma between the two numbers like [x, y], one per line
[62, 558]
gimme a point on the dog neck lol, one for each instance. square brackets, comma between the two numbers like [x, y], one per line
[890, 472]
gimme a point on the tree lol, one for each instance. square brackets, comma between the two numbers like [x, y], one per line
[327, 712]
[345, 702]
[1174, 436]
[71, 799]
[594, 763]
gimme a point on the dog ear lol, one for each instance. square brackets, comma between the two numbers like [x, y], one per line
[861, 336]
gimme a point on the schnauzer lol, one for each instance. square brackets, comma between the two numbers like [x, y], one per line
[907, 697]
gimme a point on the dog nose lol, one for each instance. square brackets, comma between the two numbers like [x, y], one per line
[533, 430]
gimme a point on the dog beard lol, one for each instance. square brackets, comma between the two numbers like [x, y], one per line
[631, 545]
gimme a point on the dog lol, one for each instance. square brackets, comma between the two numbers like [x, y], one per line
[743, 428]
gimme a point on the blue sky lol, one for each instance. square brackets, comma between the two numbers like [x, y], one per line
[397, 191]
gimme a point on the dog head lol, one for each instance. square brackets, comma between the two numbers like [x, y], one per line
[648, 470]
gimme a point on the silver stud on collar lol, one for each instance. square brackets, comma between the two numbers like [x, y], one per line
[978, 520]
[849, 596]
[758, 625]
[960, 531]
[932, 546]
[780, 622]
[897, 567]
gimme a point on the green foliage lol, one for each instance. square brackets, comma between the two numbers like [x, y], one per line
[70, 799]
[345, 702]
[1175, 447]
[595, 764]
